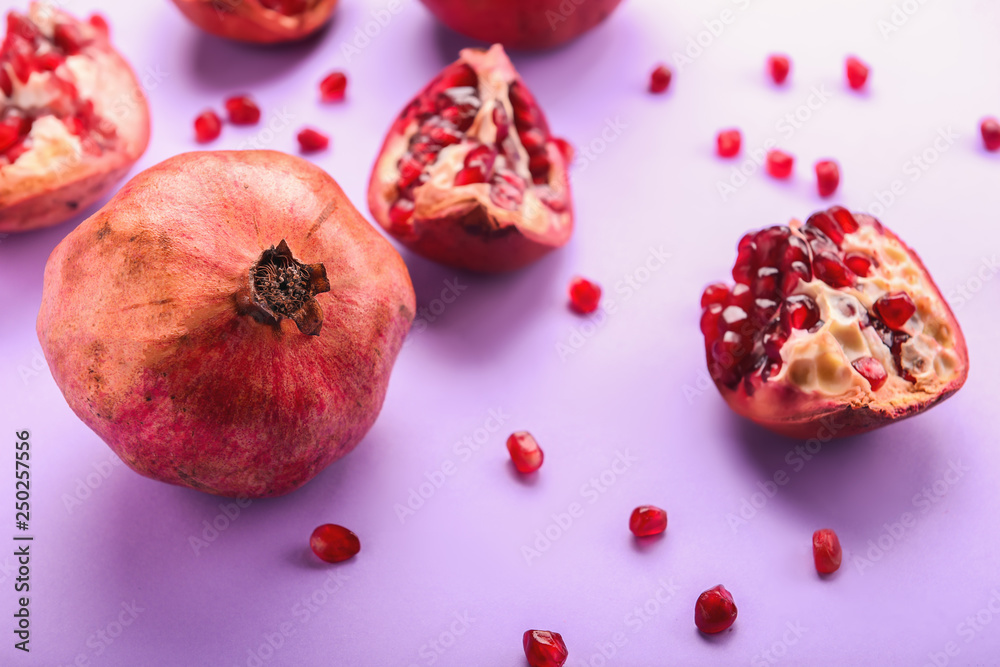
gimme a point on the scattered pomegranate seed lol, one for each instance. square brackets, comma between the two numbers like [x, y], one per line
[715, 610]
[858, 263]
[334, 543]
[872, 370]
[729, 142]
[242, 110]
[311, 140]
[647, 520]
[991, 134]
[660, 79]
[779, 164]
[778, 66]
[525, 452]
[826, 551]
[857, 73]
[895, 309]
[544, 649]
[207, 127]
[827, 177]
[100, 23]
[584, 296]
[333, 87]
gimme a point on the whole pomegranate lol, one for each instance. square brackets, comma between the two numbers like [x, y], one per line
[522, 24]
[833, 328]
[73, 118]
[259, 21]
[469, 174]
[227, 322]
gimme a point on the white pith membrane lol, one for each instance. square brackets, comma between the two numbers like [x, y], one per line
[821, 361]
[816, 374]
[544, 208]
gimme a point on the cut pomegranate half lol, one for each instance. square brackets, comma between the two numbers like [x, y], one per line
[833, 324]
[73, 118]
[469, 174]
[259, 21]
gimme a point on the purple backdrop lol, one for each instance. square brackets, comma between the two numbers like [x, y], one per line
[619, 402]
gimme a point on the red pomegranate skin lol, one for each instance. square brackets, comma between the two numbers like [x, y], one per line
[147, 328]
[251, 21]
[522, 24]
[57, 183]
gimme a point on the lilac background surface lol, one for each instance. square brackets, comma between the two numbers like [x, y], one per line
[633, 387]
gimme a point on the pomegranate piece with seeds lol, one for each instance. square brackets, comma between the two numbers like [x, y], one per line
[715, 610]
[311, 140]
[779, 164]
[207, 127]
[334, 543]
[64, 141]
[333, 87]
[728, 142]
[647, 520]
[584, 296]
[521, 24]
[524, 451]
[660, 79]
[990, 129]
[258, 21]
[242, 110]
[827, 553]
[544, 649]
[778, 67]
[469, 174]
[833, 326]
[857, 73]
[827, 177]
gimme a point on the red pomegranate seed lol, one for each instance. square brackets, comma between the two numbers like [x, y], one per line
[824, 222]
[857, 73]
[872, 370]
[8, 135]
[67, 37]
[311, 140]
[400, 212]
[100, 23]
[832, 271]
[333, 87]
[715, 610]
[826, 551]
[858, 263]
[647, 520]
[779, 164]
[544, 649]
[334, 543]
[827, 177]
[991, 134]
[6, 85]
[207, 127]
[844, 218]
[895, 309]
[714, 293]
[242, 110]
[778, 66]
[710, 319]
[525, 452]
[659, 80]
[802, 312]
[728, 142]
[584, 296]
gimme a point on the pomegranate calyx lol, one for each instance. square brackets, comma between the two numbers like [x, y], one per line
[281, 286]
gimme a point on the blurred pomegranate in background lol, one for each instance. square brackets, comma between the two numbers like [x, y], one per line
[522, 24]
[259, 21]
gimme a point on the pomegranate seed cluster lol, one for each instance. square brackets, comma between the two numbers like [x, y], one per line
[747, 326]
[42, 49]
[445, 117]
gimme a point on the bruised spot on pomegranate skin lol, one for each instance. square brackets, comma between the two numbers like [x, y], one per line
[470, 175]
[235, 369]
[835, 321]
[259, 21]
[61, 147]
